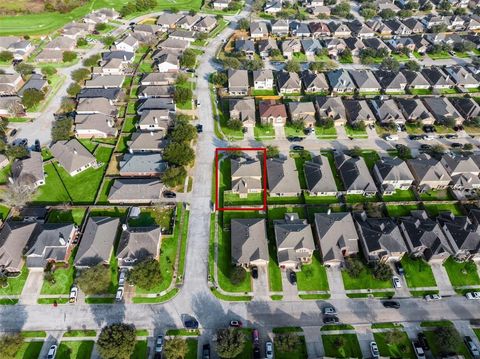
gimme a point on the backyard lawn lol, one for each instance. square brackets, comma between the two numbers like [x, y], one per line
[53, 190]
[74, 215]
[365, 280]
[400, 211]
[418, 273]
[15, 285]
[400, 196]
[29, 350]
[105, 190]
[434, 209]
[401, 349]
[349, 349]
[75, 349]
[463, 273]
[154, 216]
[439, 195]
[313, 276]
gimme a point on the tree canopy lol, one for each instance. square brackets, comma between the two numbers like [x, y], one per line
[95, 280]
[179, 154]
[174, 176]
[175, 348]
[230, 342]
[32, 97]
[145, 274]
[184, 132]
[117, 341]
[10, 344]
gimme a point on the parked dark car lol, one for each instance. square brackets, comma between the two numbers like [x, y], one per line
[294, 138]
[330, 319]
[298, 148]
[391, 304]
[256, 353]
[13, 132]
[199, 128]
[428, 128]
[399, 268]
[293, 277]
[37, 147]
[236, 324]
[255, 337]
[191, 323]
[451, 137]
[206, 351]
[422, 340]
[456, 145]
[169, 194]
[254, 272]
[425, 147]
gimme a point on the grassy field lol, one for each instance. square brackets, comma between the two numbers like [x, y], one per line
[400, 211]
[74, 215]
[154, 216]
[63, 280]
[365, 280]
[349, 349]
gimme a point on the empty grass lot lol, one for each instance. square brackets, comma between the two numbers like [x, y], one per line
[401, 349]
[365, 280]
[313, 276]
[299, 351]
[418, 273]
[29, 350]
[15, 285]
[463, 273]
[349, 349]
[77, 349]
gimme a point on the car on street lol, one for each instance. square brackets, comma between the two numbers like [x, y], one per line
[451, 136]
[159, 344]
[206, 351]
[391, 138]
[23, 142]
[191, 323]
[254, 272]
[330, 310]
[425, 147]
[37, 147]
[432, 297]
[419, 352]
[169, 194]
[52, 352]
[452, 53]
[428, 137]
[428, 128]
[399, 268]
[422, 340]
[13, 132]
[391, 304]
[199, 128]
[396, 282]
[330, 319]
[472, 348]
[73, 294]
[294, 138]
[374, 350]
[293, 277]
[298, 148]
[255, 337]
[472, 295]
[119, 295]
[414, 137]
[456, 145]
[236, 324]
[269, 350]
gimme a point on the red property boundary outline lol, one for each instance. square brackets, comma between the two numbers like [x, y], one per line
[264, 178]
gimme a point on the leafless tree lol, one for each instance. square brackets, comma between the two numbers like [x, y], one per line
[19, 191]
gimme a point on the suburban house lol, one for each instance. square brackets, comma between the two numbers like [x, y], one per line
[152, 141]
[288, 83]
[244, 111]
[265, 47]
[272, 113]
[128, 44]
[391, 81]
[96, 244]
[10, 84]
[337, 237]
[158, 79]
[249, 244]
[35, 82]
[282, 178]
[238, 82]
[443, 110]
[355, 175]
[463, 79]
[355, 45]
[398, 27]
[95, 125]
[142, 165]
[155, 120]
[138, 244]
[379, 27]
[392, 174]
[290, 47]
[258, 30]
[319, 29]
[463, 235]
[206, 24]
[135, 191]
[381, 238]
[105, 81]
[358, 111]
[359, 29]
[314, 82]
[319, 177]
[11, 106]
[263, 80]
[246, 175]
[14, 238]
[334, 46]
[124, 56]
[280, 27]
[387, 111]
[112, 94]
[415, 80]
[183, 35]
[295, 243]
[424, 238]
[168, 20]
[187, 22]
[302, 111]
[29, 170]
[331, 107]
[340, 81]
[428, 173]
[299, 29]
[415, 26]
[168, 63]
[155, 91]
[467, 107]
[338, 29]
[365, 81]
[311, 47]
[54, 243]
[220, 4]
[464, 172]
[245, 47]
[437, 78]
[73, 156]
[414, 110]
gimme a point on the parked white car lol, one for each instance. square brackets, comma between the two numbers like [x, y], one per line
[119, 295]
[432, 297]
[374, 350]
[391, 138]
[396, 282]
[472, 295]
[73, 294]
[269, 350]
[52, 352]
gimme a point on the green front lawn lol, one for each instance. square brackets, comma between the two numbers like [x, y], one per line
[400, 196]
[432, 338]
[418, 273]
[141, 350]
[5, 173]
[62, 282]
[365, 280]
[354, 132]
[299, 352]
[77, 349]
[29, 350]
[326, 133]
[15, 285]
[461, 274]
[74, 215]
[402, 348]
[223, 114]
[192, 345]
[4, 212]
[264, 132]
[313, 276]
[291, 131]
[349, 349]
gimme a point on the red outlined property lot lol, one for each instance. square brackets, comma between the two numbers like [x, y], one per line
[264, 178]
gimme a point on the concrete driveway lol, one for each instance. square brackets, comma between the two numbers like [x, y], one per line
[260, 285]
[335, 281]
[443, 282]
[290, 291]
[32, 287]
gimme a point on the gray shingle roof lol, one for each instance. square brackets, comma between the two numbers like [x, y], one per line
[354, 173]
[137, 244]
[249, 240]
[282, 176]
[71, 155]
[319, 175]
[135, 190]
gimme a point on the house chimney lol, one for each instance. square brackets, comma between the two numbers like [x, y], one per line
[61, 240]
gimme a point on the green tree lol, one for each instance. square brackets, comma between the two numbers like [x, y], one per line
[449, 122]
[326, 122]
[339, 342]
[230, 342]
[448, 340]
[234, 124]
[100, 26]
[272, 151]
[95, 280]
[62, 129]
[145, 274]
[346, 56]
[468, 147]
[354, 267]
[32, 97]
[219, 78]
[368, 13]
[359, 125]
[237, 275]
[184, 132]
[182, 94]
[49, 71]
[188, 59]
[404, 152]
[108, 40]
[390, 64]
[81, 42]
[394, 337]
[10, 344]
[69, 56]
[175, 348]
[24, 69]
[387, 14]
[382, 271]
[117, 341]
[174, 176]
[231, 63]
[67, 105]
[74, 89]
[180, 154]
[292, 66]
[81, 74]
[6, 56]
[92, 60]
[341, 10]
[244, 24]
[287, 342]
[13, 152]
[412, 65]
